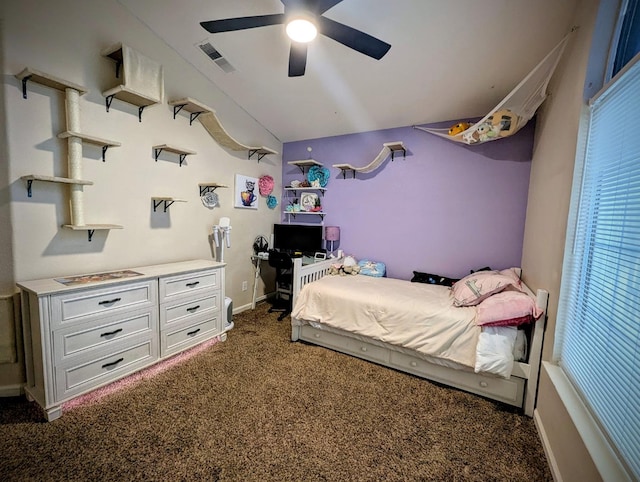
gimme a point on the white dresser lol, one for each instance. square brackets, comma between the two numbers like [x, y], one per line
[80, 336]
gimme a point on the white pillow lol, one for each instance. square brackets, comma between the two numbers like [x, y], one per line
[494, 353]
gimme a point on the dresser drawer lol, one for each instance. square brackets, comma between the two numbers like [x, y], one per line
[178, 340]
[71, 340]
[75, 378]
[180, 310]
[94, 303]
[172, 287]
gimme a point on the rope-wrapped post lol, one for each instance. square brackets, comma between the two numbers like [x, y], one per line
[74, 159]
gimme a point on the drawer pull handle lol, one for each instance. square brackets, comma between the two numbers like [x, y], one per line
[413, 364]
[193, 332]
[484, 384]
[193, 308]
[114, 363]
[109, 333]
[195, 283]
[363, 348]
[108, 302]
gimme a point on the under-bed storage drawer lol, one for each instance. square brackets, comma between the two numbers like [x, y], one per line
[351, 346]
[507, 390]
[90, 304]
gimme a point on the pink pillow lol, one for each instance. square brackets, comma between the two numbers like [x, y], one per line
[474, 288]
[509, 308]
[513, 274]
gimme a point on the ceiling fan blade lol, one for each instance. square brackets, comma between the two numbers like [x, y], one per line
[355, 39]
[297, 59]
[315, 6]
[242, 23]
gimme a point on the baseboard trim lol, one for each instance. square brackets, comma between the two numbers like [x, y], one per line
[11, 390]
[551, 459]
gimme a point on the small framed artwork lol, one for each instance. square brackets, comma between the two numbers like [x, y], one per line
[309, 202]
[246, 192]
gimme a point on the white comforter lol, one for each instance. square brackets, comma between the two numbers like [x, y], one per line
[417, 316]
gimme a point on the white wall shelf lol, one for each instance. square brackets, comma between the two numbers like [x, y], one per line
[192, 106]
[166, 201]
[182, 153]
[295, 190]
[306, 163]
[206, 187]
[60, 180]
[91, 228]
[104, 143]
[305, 213]
[47, 80]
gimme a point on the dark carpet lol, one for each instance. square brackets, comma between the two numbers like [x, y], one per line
[261, 408]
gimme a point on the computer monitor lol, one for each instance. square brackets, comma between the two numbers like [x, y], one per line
[298, 238]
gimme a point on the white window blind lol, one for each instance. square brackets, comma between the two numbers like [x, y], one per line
[599, 310]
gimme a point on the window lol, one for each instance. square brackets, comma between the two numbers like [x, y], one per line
[629, 37]
[599, 340]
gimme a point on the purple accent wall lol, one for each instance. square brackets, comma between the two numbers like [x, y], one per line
[446, 208]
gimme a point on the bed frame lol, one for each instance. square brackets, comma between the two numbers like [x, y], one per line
[519, 390]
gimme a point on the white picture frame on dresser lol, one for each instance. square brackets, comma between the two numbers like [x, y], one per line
[79, 337]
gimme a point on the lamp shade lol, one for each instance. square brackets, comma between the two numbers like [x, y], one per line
[332, 233]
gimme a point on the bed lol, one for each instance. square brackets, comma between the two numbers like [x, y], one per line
[328, 312]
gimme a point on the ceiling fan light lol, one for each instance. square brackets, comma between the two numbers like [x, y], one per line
[301, 30]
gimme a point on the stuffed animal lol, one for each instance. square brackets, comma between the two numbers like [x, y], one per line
[486, 131]
[458, 128]
[504, 122]
[342, 270]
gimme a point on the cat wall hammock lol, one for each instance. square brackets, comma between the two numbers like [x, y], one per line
[514, 111]
[387, 148]
[212, 125]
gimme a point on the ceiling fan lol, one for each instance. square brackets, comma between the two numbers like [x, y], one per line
[309, 13]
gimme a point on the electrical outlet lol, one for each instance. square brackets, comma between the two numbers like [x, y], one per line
[244, 286]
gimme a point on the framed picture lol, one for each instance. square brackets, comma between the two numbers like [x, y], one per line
[308, 201]
[246, 192]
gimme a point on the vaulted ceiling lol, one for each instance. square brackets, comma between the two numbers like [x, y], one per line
[449, 59]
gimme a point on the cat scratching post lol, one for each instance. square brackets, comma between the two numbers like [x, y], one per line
[76, 201]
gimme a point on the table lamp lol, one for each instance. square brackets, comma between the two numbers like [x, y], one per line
[332, 233]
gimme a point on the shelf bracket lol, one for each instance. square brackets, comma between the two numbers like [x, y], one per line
[140, 109]
[156, 204]
[90, 233]
[182, 158]
[344, 173]
[104, 151]
[24, 86]
[108, 99]
[254, 151]
[176, 109]
[404, 153]
[29, 185]
[193, 116]
[206, 189]
[157, 153]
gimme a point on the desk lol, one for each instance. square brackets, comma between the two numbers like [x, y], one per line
[258, 263]
[257, 260]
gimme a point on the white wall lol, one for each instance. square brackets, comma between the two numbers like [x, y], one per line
[545, 230]
[64, 38]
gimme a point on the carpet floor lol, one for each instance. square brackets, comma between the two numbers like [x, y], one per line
[258, 407]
